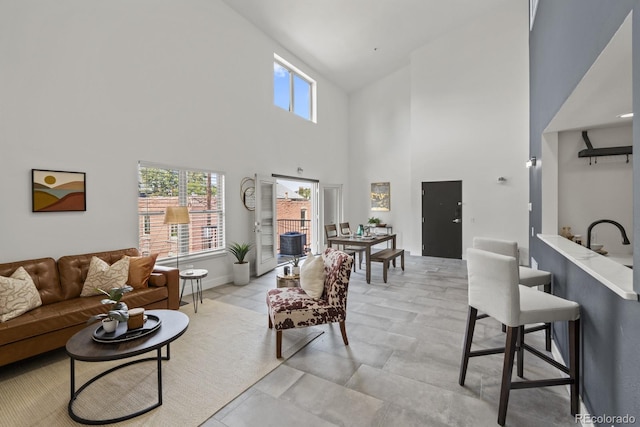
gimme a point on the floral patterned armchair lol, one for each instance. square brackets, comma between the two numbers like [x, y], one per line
[293, 308]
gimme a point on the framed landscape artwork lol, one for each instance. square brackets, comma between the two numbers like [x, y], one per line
[58, 191]
[381, 196]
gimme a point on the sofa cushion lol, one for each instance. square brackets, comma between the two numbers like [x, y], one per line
[73, 269]
[18, 294]
[104, 276]
[43, 272]
[74, 312]
[157, 279]
[293, 308]
[140, 268]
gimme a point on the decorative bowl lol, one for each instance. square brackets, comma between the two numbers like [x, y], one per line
[596, 246]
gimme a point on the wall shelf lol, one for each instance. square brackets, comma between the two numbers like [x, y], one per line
[607, 151]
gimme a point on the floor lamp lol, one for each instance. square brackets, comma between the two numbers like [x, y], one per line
[175, 215]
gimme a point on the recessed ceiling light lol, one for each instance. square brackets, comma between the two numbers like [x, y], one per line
[625, 116]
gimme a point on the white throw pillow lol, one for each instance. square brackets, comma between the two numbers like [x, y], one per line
[104, 276]
[312, 276]
[18, 294]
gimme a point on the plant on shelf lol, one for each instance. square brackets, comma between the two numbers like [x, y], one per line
[373, 221]
[240, 251]
[118, 312]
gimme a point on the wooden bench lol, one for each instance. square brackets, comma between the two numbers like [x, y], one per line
[385, 256]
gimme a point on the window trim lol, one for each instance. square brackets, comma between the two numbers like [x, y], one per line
[295, 71]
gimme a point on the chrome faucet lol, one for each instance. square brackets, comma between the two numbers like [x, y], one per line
[625, 239]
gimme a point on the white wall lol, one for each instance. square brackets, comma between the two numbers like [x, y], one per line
[95, 86]
[459, 111]
[603, 190]
[380, 150]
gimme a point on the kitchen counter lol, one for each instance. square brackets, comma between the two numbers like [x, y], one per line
[624, 259]
[609, 270]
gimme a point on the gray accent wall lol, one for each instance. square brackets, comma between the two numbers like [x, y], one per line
[567, 38]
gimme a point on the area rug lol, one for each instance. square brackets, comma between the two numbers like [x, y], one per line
[225, 350]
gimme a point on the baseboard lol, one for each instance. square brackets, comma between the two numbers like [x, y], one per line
[208, 282]
[582, 409]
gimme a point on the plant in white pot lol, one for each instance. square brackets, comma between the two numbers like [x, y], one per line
[295, 263]
[241, 270]
[119, 312]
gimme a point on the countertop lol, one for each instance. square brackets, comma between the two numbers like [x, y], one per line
[609, 270]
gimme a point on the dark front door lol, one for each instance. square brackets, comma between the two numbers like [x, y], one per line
[442, 219]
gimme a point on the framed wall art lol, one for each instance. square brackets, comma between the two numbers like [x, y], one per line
[58, 191]
[381, 196]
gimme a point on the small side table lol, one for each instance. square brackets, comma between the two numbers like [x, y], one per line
[191, 275]
[288, 281]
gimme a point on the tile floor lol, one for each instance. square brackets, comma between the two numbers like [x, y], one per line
[401, 367]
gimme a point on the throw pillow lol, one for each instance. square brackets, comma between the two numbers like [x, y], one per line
[140, 268]
[104, 276]
[312, 276]
[18, 294]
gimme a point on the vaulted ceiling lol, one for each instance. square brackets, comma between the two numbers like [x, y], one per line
[356, 42]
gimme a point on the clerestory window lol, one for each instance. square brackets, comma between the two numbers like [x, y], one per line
[293, 90]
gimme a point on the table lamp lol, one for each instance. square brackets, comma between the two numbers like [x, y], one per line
[177, 215]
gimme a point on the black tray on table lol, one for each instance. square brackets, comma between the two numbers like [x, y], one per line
[121, 334]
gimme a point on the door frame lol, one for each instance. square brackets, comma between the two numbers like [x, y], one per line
[337, 212]
[265, 260]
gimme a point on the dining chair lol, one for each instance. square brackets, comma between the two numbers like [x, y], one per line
[345, 230]
[331, 230]
[527, 276]
[494, 289]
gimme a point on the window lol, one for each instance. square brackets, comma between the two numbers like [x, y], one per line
[201, 191]
[303, 217]
[293, 90]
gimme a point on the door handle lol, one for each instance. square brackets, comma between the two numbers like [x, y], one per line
[457, 221]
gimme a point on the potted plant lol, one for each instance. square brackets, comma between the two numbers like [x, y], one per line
[241, 268]
[119, 312]
[373, 221]
[295, 263]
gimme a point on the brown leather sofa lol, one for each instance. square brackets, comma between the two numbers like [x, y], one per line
[63, 312]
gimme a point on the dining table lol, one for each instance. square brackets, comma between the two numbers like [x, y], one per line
[367, 242]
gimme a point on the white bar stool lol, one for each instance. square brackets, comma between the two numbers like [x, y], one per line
[527, 276]
[494, 290]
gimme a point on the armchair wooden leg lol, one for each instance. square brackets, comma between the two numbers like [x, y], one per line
[343, 330]
[468, 338]
[278, 344]
[507, 368]
[270, 324]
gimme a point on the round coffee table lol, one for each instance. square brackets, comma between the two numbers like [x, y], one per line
[82, 347]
